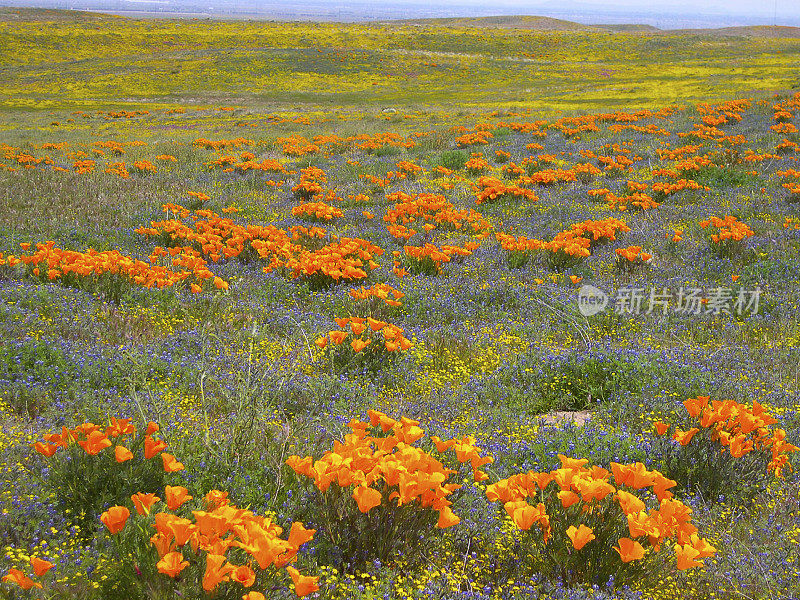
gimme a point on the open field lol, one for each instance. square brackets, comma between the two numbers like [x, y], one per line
[367, 245]
[113, 63]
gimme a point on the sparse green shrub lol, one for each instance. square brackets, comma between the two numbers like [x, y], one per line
[453, 159]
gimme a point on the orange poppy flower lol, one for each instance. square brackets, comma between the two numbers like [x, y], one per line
[661, 427]
[630, 504]
[178, 527]
[629, 550]
[243, 575]
[115, 518]
[40, 566]
[171, 465]
[254, 596]
[215, 499]
[686, 555]
[162, 543]
[337, 337]
[359, 344]
[447, 518]
[153, 446]
[176, 496]
[22, 580]
[696, 405]
[121, 453]
[152, 427]
[376, 325]
[45, 449]
[303, 584]
[684, 437]
[171, 564]
[96, 442]
[120, 427]
[216, 571]
[367, 498]
[321, 342]
[568, 498]
[144, 502]
[580, 536]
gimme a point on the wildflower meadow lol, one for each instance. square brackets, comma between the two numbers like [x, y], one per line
[397, 311]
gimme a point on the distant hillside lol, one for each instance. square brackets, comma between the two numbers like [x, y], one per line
[760, 31]
[505, 22]
[549, 24]
[8, 13]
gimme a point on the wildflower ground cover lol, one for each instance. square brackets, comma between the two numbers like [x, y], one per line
[259, 350]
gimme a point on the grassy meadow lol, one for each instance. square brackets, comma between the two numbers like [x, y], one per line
[293, 309]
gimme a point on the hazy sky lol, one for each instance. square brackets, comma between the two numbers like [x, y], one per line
[757, 8]
[665, 14]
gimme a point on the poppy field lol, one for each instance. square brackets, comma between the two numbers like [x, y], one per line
[396, 312]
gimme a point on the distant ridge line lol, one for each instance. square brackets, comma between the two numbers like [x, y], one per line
[522, 22]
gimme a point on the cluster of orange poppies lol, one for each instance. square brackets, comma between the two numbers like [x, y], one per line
[316, 211]
[433, 211]
[490, 189]
[636, 200]
[723, 113]
[116, 148]
[572, 127]
[389, 469]
[81, 167]
[791, 222]
[40, 568]
[211, 534]
[477, 138]
[95, 439]
[216, 237]
[219, 537]
[376, 141]
[409, 168]
[737, 427]
[144, 166]
[360, 332]
[600, 231]
[297, 145]
[580, 494]
[792, 184]
[300, 233]
[246, 162]
[310, 183]
[93, 268]
[119, 169]
[430, 258]
[730, 228]
[631, 258]
[547, 177]
[380, 291]
[344, 258]
[669, 153]
[567, 248]
[476, 164]
[663, 189]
